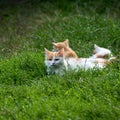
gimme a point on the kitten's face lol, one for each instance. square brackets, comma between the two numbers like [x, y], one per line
[60, 45]
[54, 59]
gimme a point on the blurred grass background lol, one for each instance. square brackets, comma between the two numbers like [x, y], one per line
[19, 19]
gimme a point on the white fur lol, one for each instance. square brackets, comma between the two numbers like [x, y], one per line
[101, 51]
[84, 63]
[56, 67]
[71, 64]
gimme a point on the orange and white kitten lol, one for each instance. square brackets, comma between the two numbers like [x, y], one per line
[68, 52]
[57, 64]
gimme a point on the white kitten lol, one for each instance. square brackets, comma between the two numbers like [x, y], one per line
[100, 52]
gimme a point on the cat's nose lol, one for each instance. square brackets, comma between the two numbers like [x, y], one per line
[53, 64]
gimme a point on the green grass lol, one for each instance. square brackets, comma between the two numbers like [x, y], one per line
[27, 92]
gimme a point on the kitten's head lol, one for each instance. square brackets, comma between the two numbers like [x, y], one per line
[60, 45]
[54, 59]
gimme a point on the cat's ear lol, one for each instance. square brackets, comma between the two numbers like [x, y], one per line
[54, 44]
[61, 52]
[95, 46]
[66, 42]
[47, 52]
[96, 49]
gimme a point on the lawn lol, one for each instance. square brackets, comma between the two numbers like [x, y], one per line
[26, 91]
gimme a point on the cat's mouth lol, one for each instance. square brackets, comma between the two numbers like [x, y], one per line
[53, 64]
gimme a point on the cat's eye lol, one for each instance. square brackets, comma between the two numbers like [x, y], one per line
[56, 59]
[50, 59]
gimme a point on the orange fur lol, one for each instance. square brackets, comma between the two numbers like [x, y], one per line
[102, 56]
[68, 51]
[50, 54]
[101, 61]
[105, 62]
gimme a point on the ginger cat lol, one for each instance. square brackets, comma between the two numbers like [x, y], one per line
[68, 52]
[57, 64]
[99, 52]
